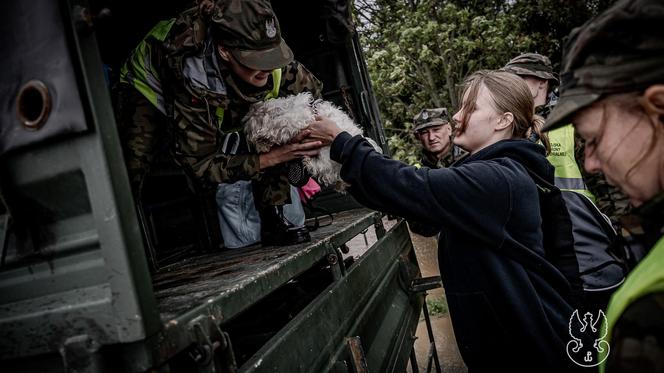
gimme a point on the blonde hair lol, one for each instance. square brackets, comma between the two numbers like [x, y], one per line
[509, 93]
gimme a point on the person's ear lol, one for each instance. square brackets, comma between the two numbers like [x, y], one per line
[543, 85]
[504, 121]
[653, 101]
[224, 53]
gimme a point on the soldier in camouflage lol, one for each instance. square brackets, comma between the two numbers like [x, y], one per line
[538, 73]
[434, 130]
[613, 91]
[188, 85]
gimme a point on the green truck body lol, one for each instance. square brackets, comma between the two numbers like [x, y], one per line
[93, 279]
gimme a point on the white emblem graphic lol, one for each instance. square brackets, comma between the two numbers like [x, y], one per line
[270, 28]
[587, 339]
[425, 115]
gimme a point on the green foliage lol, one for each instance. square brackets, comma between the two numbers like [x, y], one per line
[419, 51]
[437, 306]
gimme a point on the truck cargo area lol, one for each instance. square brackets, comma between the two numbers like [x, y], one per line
[96, 277]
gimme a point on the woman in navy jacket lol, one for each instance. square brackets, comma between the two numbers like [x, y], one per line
[507, 302]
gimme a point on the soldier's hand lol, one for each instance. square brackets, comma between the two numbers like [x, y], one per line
[296, 149]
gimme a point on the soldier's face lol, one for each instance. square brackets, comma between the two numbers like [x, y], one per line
[257, 78]
[617, 144]
[435, 139]
[538, 89]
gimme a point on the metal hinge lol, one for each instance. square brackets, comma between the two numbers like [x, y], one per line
[212, 349]
[80, 354]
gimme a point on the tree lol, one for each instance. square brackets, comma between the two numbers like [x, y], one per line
[419, 51]
[419, 56]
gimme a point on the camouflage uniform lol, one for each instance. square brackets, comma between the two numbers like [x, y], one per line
[431, 118]
[621, 51]
[609, 199]
[192, 100]
[431, 161]
[532, 64]
[425, 119]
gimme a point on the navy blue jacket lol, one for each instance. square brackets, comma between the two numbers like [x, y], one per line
[507, 302]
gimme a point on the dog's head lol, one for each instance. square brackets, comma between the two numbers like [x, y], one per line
[276, 121]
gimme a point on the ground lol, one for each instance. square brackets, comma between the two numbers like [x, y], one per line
[426, 249]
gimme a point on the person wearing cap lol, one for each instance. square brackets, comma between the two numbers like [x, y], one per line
[566, 147]
[613, 93]
[193, 78]
[509, 305]
[538, 73]
[435, 132]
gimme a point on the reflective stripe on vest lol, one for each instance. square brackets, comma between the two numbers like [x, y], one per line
[567, 174]
[138, 72]
[646, 278]
[274, 93]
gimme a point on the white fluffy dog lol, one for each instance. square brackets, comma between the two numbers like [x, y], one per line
[277, 121]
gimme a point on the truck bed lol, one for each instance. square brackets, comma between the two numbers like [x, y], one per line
[226, 282]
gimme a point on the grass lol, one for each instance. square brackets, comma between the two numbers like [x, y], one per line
[437, 306]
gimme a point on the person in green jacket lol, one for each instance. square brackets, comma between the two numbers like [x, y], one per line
[189, 84]
[566, 147]
[538, 73]
[613, 92]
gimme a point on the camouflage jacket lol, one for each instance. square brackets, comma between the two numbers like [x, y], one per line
[453, 155]
[176, 67]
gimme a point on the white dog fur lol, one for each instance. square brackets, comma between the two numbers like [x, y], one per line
[277, 121]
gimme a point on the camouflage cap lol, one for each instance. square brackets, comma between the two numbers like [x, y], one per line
[532, 64]
[250, 30]
[430, 118]
[619, 51]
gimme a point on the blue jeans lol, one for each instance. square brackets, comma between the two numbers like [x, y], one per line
[238, 219]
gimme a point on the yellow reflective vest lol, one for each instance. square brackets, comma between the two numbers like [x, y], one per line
[139, 71]
[567, 174]
[647, 278]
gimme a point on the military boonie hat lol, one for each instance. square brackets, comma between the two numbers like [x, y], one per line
[430, 118]
[532, 64]
[619, 51]
[250, 31]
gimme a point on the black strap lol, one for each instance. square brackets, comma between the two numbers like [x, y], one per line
[310, 205]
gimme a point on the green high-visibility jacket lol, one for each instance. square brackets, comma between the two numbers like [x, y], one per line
[646, 279]
[567, 174]
[145, 79]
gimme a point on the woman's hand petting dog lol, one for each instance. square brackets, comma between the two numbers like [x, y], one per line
[295, 149]
[323, 129]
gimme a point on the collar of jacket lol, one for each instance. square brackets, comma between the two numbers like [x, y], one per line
[651, 213]
[193, 56]
[529, 154]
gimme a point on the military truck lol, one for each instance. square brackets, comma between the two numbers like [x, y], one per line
[96, 279]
